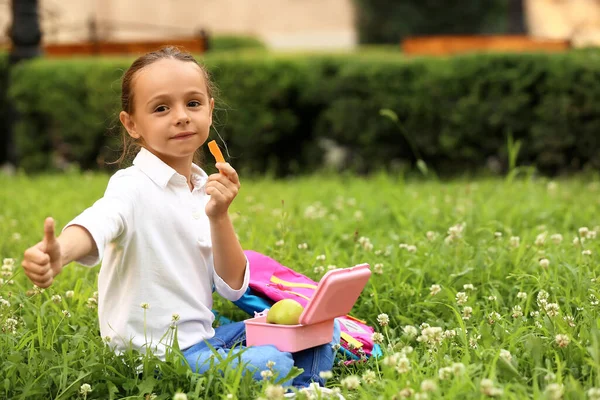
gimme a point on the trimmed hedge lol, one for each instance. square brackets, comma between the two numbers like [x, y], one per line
[273, 110]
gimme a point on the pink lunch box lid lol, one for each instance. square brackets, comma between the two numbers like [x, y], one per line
[336, 294]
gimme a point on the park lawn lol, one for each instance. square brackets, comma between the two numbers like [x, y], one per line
[479, 288]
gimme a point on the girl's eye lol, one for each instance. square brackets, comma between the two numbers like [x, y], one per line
[160, 109]
[194, 103]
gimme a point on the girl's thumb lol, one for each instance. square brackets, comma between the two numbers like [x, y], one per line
[49, 231]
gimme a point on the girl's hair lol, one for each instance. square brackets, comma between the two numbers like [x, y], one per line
[131, 145]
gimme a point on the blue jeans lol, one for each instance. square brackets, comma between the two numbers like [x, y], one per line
[231, 338]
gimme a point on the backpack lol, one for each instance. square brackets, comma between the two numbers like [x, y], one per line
[270, 282]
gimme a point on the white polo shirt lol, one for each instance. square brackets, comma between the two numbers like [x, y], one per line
[154, 237]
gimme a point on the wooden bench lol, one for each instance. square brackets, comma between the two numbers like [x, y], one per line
[448, 45]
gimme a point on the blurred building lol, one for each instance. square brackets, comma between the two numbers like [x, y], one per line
[281, 24]
[576, 20]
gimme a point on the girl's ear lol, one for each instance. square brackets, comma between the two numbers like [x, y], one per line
[212, 107]
[128, 124]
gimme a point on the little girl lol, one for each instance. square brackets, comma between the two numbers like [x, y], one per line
[163, 231]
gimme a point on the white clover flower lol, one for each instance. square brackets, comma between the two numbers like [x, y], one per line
[431, 336]
[522, 295]
[493, 317]
[487, 388]
[326, 374]
[517, 311]
[85, 389]
[180, 396]
[570, 320]
[550, 377]
[274, 392]
[541, 239]
[331, 267]
[434, 289]
[554, 391]
[556, 238]
[410, 331]
[406, 393]
[302, 246]
[505, 355]
[92, 302]
[175, 317]
[377, 338]
[492, 298]
[473, 341]
[544, 263]
[403, 364]
[445, 373]
[383, 319]
[66, 313]
[351, 382]
[515, 241]
[319, 269]
[321, 257]
[431, 236]
[411, 248]
[406, 350]
[586, 252]
[266, 374]
[552, 309]
[449, 334]
[467, 313]
[369, 377]
[69, 294]
[592, 234]
[56, 298]
[378, 268]
[583, 231]
[593, 393]
[562, 340]
[10, 325]
[458, 369]
[498, 235]
[461, 298]
[593, 300]
[280, 243]
[468, 286]
[578, 241]
[428, 385]
[145, 306]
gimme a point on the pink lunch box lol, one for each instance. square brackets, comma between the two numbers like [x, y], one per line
[334, 297]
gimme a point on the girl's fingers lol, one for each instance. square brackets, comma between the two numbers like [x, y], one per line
[229, 171]
[225, 182]
[216, 187]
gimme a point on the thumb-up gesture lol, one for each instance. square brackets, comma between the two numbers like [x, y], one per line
[43, 261]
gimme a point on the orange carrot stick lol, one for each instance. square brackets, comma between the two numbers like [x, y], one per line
[216, 152]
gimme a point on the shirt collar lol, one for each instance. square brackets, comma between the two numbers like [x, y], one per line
[161, 173]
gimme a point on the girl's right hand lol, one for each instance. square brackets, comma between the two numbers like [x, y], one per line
[43, 261]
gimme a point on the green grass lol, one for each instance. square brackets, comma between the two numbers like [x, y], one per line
[348, 220]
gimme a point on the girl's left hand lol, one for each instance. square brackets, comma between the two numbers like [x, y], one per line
[222, 188]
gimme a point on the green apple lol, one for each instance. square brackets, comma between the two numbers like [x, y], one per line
[285, 312]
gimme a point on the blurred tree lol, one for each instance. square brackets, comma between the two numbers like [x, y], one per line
[388, 21]
[26, 36]
[516, 17]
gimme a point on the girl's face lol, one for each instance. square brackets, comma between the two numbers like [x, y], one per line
[172, 110]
